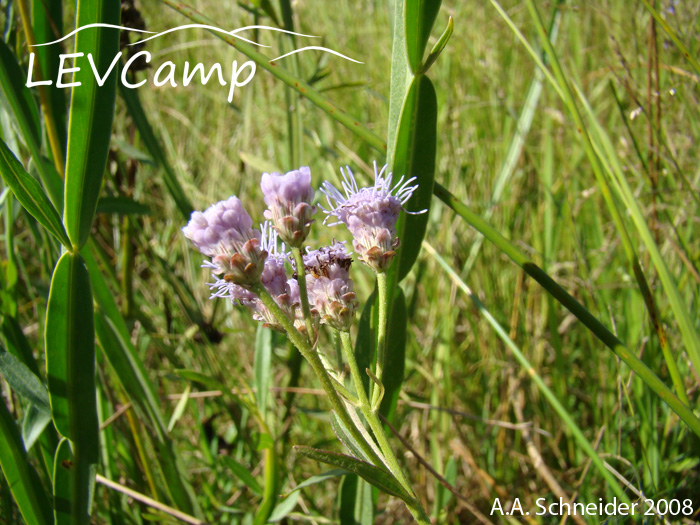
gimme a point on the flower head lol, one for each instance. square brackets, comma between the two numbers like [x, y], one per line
[224, 232]
[274, 279]
[330, 287]
[370, 214]
[289, 199]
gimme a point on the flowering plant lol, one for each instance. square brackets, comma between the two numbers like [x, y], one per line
[295, 290]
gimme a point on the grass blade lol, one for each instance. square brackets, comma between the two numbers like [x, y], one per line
[577, 309]
[543, 388]
[70, 367]
[30, 195]
[90, 118]
[133, 105]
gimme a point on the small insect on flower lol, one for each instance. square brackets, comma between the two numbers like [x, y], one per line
[330, 287]
[273, 278]
[288, 198]
[370, 214]
[224, 232]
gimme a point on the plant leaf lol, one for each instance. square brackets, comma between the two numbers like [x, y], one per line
[22, 107]
[242, 473]
[380, 478]
[344, 436]
[30, 194]
[33, 424]
[21, 477]
[395, 354]
[415, 157]
[91, 115]
[23, 381]
[62, 464]
[419, 17]
[70, 368]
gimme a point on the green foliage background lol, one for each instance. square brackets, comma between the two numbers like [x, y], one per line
[613, 221]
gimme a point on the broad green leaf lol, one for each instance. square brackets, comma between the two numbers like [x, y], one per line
[122, 206]
[23, 381]
[91, 114]
[414, 156]
[63, 462]
[26, 488]
[366, 342]
[138, 115]
[263, 357]
[356, 505]
[400, 78]
[30, 194]
[22, 107]
[395, 354]
[380, 478]
[70, 368]
[419, 17]
[242, 473]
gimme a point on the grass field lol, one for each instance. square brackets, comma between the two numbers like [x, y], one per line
[589, 175]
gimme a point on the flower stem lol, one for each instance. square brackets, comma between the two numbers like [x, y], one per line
[381, 332]
[303, 294]
[378, 430]
[311, 356]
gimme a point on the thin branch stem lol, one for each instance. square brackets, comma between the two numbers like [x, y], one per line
[378, 430]
[303, 293]
[312, 357]
[382, 287]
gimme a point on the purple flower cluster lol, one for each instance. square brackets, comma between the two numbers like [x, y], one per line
[243, 257]
[330, 286]
[288, 198]
[370, 214]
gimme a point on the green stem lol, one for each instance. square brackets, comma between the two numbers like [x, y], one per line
[303, 293]
[381, 332]
[312, 357]
[378, 430]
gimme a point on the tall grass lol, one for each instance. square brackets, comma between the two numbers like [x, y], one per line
[542, 341]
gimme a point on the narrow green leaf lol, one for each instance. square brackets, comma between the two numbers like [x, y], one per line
[47, 22]
[23, 381]
[380, 478]
[415, 157]
[91, 114]
[570, 303]
[138, 115]
[22, 107]
[30, 194]
[320, 478]
[179, 408]
[263, 357]
[34, 423]
[419, 17]
[439, 46]
[62, 465]
[23, 481]
[283, 508]
[345, 437]
[115, 342]
[242, 473]
[70, 367]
